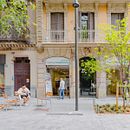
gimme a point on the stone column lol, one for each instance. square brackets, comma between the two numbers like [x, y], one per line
[128, 16]
[101, 84]
[48, 26]
[65, 22]
[126, 10]
[72, 78]
[33, 74]
[41, 77]
[96, 22]
[109, 13]
[39, 21]
[9, 74]
[32, 28]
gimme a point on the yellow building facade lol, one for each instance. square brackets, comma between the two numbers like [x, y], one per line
[51, 47]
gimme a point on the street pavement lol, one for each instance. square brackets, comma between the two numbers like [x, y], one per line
[60, 115]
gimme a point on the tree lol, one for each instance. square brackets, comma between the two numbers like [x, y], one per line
[115, 52]
[117, 38]
[14, 16]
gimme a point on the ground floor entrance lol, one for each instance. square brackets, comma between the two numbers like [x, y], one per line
[87, 79]
[21, 72]
[58, 72]
[58, 67]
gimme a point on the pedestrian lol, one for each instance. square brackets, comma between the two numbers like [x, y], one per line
[61, 88]
[24, 94]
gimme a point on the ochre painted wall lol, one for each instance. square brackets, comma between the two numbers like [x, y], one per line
[44, 22]
[70, 23]
[102, 14]
[102, 21]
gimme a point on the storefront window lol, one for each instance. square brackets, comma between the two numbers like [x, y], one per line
[2, 84]
[2, 79]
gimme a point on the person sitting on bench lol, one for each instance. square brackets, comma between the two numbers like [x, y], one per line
[24, 94]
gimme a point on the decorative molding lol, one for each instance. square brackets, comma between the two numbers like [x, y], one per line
[40, 48]
[56, 8]
[47, 6]
[85, 51]
[71, 53]
[82, 52]
[65, 7]
[96, 6]
[118, 8]
[87, 7]
[126, 9]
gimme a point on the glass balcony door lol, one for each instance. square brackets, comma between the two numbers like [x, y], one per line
[87, 27]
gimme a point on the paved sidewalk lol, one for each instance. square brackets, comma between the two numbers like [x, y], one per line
[61, 116]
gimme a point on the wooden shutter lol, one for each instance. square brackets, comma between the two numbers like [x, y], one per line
[91, 21]
[115, 17]
[57, 26]
[57, 21]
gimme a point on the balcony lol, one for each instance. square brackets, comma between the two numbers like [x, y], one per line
[55, 36]
[64, 36]
[86, 36]
[14, 37]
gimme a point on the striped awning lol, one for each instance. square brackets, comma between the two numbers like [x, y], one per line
[7, 46]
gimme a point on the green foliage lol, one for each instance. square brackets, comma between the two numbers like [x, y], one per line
[117, 38]
[89, 67]
[13, 16]
[84, 33]
[111, 108]
[115, 52]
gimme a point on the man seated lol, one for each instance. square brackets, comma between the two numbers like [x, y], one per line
[24, 94]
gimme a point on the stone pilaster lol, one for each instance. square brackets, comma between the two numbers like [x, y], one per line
[41, 78]
[65, 21]
[33, 75]
[39, 21]
[32, 28]
[48, 25]
[109, 13]
[96, 21]
[9, 72]
[128, 16]
[72, 78]
[101, 84]
[126, 10]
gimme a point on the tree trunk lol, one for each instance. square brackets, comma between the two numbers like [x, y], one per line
[121, 83]
[117, 93]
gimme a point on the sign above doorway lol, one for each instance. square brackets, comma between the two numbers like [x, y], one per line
[57, 61]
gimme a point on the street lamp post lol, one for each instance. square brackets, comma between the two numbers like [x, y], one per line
[76, 6]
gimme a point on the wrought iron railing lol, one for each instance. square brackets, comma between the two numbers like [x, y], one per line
[13, 36]
[55, 36]
[86, 35]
